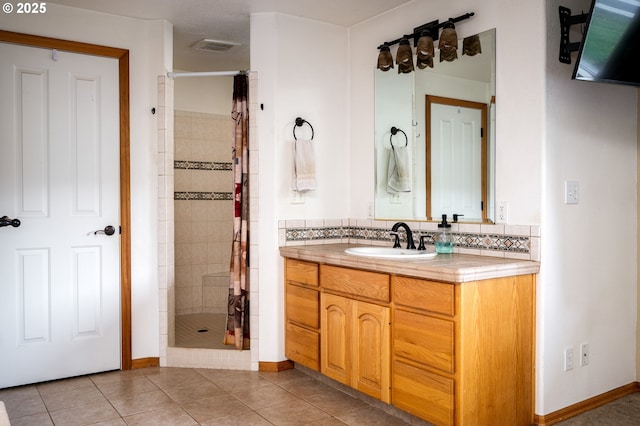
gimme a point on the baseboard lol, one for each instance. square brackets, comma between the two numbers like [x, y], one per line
[145, 362]
[586, 405]
[275, 367]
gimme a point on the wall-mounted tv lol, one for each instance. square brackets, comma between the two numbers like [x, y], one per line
[610, 48]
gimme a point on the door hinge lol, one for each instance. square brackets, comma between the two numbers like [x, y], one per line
[481, 206]
[482, 132]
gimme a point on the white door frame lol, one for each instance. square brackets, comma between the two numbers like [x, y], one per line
[122, 55]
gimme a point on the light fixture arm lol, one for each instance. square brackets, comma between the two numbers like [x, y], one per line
[432, 27]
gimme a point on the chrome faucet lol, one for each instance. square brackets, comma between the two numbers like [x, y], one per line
[398, 225]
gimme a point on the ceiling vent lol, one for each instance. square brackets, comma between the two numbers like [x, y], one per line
[209, 45]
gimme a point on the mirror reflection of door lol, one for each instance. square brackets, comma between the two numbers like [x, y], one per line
[456, 145]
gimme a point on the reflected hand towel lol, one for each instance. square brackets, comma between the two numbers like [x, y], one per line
[398, 172]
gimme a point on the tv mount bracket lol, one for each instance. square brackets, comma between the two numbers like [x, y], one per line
[566, 21]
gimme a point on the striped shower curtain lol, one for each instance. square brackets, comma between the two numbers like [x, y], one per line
[237, 332]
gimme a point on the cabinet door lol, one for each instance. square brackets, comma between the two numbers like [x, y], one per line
[335, 323]
[371, 370]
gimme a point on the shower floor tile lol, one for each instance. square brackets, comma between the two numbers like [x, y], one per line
[204, 331]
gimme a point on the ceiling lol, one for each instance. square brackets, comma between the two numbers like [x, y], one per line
[228, 20]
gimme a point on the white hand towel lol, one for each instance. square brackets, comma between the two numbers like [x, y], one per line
[399, 172]
[304, 166]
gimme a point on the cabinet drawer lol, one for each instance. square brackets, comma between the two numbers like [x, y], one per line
[303, 306]
[302, 346]
[423, 294]
[422, 393]
[424, 339]
[302, 272]
[371, 285]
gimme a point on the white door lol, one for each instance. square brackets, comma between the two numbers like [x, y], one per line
[59, 176]
[456, 161]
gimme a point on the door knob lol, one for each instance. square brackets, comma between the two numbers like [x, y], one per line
[7, 221]
[108, 230]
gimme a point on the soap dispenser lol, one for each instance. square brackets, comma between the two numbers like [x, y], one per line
[444, 239]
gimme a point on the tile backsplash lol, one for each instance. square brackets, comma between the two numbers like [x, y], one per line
[510, 241]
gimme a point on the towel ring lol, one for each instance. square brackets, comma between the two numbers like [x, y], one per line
[299, 123]
[394, 131]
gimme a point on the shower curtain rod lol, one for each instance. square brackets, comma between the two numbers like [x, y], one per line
[204, 73]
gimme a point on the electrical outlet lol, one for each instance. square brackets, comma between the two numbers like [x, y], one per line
[584, 354]
[503, 212]
[568, 358]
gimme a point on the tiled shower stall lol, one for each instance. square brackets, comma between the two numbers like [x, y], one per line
[170, 354]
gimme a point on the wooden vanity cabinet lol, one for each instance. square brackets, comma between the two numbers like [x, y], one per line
[463, 354]
[449, 353]
[355, 329]
[302, 313]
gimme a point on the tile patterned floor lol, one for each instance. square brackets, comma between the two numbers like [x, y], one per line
[184, 396]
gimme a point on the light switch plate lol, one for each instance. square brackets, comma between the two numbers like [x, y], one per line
[296, 197]
[571, 192]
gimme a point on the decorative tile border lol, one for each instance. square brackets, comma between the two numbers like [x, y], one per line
[464, 240]
[201, 165]
[203, 196]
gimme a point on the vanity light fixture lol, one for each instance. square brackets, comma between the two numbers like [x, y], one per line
[424, 50]
[448, 42]
[471, 45]
[423, 38]
[385, 60]
[404, 57]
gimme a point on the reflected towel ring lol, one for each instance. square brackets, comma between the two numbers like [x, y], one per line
[299, 123]
[394, 131]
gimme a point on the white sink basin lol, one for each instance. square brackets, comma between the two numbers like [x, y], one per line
[390, 253]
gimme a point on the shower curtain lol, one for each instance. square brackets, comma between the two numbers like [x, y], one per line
[237, 332]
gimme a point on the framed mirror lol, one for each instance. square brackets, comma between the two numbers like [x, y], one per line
[446, 162]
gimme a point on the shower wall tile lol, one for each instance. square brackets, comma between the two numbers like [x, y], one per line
[182, 123]
[199, 127]
[182, 211]
[182, 180]
[184, 302]
[182, 150]
[200, 149]
[200, 232]
[183, 276]
[202, 201]
[183, 232]
[163, 210]
[183, 254]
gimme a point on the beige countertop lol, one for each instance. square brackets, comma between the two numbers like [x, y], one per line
[456, 268]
